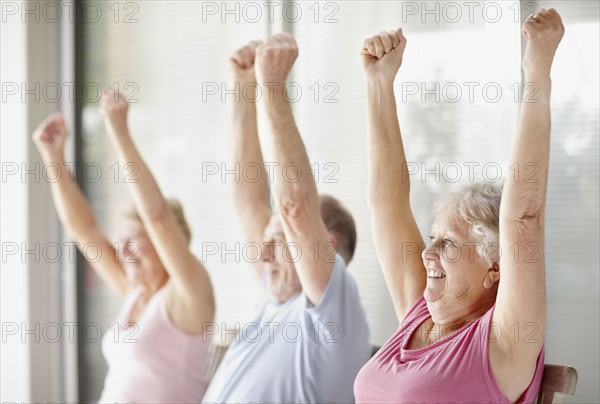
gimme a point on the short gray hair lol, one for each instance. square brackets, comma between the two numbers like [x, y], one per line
[478, 205]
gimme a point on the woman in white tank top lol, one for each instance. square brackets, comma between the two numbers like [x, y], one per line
[156, 350]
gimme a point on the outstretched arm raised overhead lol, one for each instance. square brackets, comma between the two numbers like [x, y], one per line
[294, 188]
[398, 241]
[73, 209]
[250, 196]
[190, 299]
[521, 299]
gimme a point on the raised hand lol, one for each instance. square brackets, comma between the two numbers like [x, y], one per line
[242, 62]
[50, 137]
[543, 32]
[382, 54]
[275, 58]
[114, 107]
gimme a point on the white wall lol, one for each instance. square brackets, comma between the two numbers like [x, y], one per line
[32, 295]
[14, 279]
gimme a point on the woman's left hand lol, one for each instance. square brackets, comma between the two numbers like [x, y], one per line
[543, 32]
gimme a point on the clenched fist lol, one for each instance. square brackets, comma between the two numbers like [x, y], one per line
[242, 63]
[275, 59]
[113, 107]
[543, 32]
[382, 54]
[50, 137]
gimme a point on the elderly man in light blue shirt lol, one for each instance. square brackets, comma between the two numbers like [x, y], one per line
[311, 337]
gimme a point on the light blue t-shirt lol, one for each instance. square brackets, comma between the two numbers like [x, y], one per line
[297, 352]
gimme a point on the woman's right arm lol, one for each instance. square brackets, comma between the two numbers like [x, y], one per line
[397, 239]
[73, 209]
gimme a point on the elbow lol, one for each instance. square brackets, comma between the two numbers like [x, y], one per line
[528, 208]
[294, 206]
[79, 229]
[374, 202]
[238, 197]
[376, 195]
[375, 199]
[525, 221]
[159, 213]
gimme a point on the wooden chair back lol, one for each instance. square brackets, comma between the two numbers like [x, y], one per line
[558, 382]
[216, 354]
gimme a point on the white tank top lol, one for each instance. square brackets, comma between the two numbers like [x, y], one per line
[153, 361]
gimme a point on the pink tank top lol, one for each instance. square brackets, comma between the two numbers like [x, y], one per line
[453, 370]
[153, 361]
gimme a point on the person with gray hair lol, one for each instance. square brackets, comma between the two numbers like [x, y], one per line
[477, 205]
[482, 277]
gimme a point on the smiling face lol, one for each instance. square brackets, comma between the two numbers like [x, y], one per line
[281, 276]
[459, 280]
[138, 256]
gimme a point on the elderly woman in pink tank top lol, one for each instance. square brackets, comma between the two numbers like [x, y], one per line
[462, 302]
[159, 353]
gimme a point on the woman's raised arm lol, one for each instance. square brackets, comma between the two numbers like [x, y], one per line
[188, 275]
[521, 300]
[73, 209]
[398, 241]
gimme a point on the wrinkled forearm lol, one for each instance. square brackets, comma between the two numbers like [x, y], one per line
[388, 176]
[524, 192]
[293, 180]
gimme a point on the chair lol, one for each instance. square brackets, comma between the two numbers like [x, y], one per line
[218, 347]
[558, 381]
[216, 354]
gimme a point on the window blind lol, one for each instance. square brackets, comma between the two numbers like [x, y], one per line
[169, 60]
[455, 131]
[449, 139]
